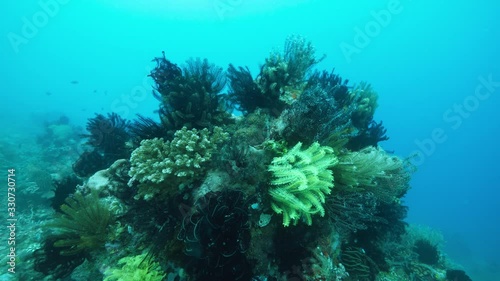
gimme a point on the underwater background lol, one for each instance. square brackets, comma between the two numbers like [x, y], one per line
[434, 65]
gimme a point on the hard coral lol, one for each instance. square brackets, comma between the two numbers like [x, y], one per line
[181, 160]
[283, 77]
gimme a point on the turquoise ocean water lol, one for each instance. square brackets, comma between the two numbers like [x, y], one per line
[434, 65]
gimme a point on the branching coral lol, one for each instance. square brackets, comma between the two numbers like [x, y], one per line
[283, 76]
[83, 226]
[181, 160]
[302, 179]
[135, 268]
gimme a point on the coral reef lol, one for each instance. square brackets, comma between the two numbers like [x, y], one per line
[178, 161]
[302, 179]
[205, 195]
[281, 81]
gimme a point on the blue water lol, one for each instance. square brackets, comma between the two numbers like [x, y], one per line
[435, 66]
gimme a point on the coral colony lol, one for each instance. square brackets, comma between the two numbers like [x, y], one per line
[277, 176]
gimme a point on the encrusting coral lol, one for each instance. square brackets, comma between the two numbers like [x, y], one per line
[302, 178]
[181, 160]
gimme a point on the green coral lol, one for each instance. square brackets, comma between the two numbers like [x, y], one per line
[136, 268]
[181, 160]
[302, 179]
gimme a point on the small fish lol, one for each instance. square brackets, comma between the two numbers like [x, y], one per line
[48, 93]
[74, 82]
[95, 91]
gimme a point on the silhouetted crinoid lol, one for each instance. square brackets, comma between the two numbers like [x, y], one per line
[63, 188]
[427, 253]
[145, 128]
[217, 231]
[457, 275]
[49, 260]
[88, 163]
[108, 136]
